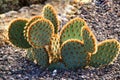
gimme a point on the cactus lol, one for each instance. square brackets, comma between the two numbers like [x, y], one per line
[73, 54]
[50, 14]
[90, 43]
[15, 33]
[107, 52]
[40, 32]
[54, 48]
[57, 65]
[41, 57]
[72, 30]
[30, 54]
[33, 19]
[75, 47]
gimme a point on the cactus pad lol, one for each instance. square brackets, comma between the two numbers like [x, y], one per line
[49, 13]
[90, 43]
[57, 65]
[40, 32]
[54, 48]
[30, 54]
[29, 23]
[73, 54]
[72, 30]
[108, 50]
[16, 35]
[41, 57]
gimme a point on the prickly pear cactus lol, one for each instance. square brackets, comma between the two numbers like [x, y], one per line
[90, 43]
[50, 14]
[107, 51]
[72, 30]
[73, 54]
[29, 23]
[54, 48]
[75, 47]
[41, 57]
[16, 35]
[30, 54]
[57, 65]
[40, 33]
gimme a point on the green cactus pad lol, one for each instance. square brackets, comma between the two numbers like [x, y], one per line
[39, 33]
[72, 30]
[30, 54]
[29, 23]
[90, 42]
[50, 13]
[41, 57]
[108, 50]
[57, 65]
[16, 35]
[73, 54]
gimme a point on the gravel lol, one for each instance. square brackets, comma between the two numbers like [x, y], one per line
[16, 67]
[103, 19]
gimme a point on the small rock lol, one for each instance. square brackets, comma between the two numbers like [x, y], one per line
[54, 73]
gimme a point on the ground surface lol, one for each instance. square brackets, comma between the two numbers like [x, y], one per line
[102, 17]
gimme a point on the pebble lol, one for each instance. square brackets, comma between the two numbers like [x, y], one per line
[11, 13]
[54, 72]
